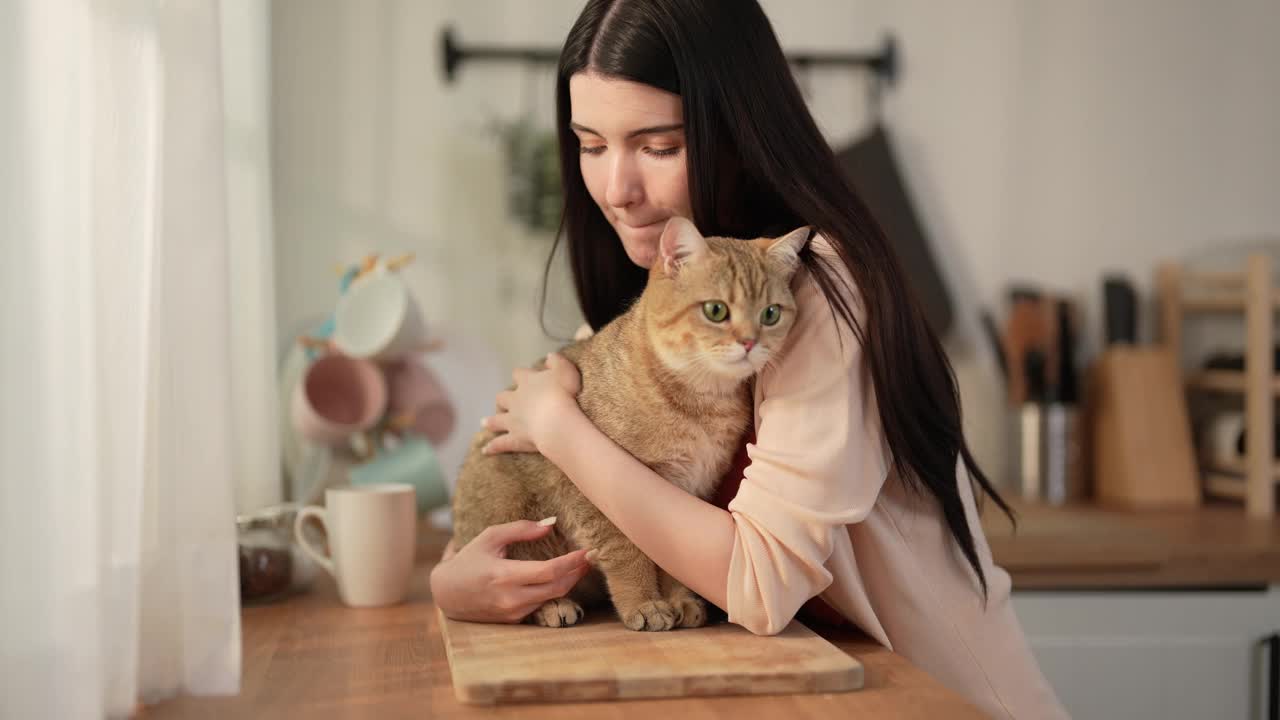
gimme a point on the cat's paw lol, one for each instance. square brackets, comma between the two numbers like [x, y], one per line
[653, 615]
[561, 612]
[692, 611]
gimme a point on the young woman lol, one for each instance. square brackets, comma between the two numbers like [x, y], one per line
[857, 491]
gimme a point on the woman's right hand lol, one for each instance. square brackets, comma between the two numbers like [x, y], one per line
[480, 584]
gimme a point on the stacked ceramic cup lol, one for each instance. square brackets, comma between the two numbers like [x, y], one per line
[366, 392]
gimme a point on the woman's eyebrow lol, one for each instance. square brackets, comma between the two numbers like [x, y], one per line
[653, 130]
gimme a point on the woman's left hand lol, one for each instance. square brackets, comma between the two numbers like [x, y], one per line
[534, 407]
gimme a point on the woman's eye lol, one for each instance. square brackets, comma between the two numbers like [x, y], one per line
[771, 315]
[662, 152]
[716, 311]
[593, 150]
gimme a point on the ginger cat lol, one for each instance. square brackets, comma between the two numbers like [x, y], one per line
[668, 380]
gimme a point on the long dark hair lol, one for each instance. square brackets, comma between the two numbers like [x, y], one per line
[759, 166]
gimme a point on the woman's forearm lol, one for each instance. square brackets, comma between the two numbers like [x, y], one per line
[689, 538]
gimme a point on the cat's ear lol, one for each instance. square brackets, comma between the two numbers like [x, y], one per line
[680, 243]
[787, 248]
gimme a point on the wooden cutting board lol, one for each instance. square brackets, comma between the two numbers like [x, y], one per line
[602, 660]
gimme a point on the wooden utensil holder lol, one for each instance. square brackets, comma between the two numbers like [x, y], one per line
[1142, 451]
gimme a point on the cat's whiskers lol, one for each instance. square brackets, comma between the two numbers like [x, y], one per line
[696, 367]
[729, 365]
[761, 358]
[700, 368]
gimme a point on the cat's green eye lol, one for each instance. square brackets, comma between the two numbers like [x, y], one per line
[716, 311]
[771, 315]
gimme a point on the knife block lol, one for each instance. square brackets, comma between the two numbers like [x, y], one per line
[1143, 455]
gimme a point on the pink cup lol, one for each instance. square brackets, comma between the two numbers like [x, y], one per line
[338, 396]
[413, 388]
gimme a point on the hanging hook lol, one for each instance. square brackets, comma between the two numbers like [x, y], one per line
[875, 97]
[884, 72]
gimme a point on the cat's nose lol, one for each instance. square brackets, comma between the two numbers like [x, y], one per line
[749, 343]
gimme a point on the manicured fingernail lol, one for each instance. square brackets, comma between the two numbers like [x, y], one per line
[484, 423]
[547, 522]
[593, 555]
[485, 450]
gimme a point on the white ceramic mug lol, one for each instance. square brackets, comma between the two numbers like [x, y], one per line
[377, 318]
[372, 532]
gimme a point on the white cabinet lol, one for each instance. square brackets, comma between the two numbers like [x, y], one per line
[1163, 655]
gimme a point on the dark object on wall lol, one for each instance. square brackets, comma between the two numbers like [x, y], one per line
[1120, 306]
[883, 63]
[873, 170]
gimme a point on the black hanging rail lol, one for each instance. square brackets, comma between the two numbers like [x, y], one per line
[883, 63]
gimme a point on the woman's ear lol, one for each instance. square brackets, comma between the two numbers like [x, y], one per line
[680, 243]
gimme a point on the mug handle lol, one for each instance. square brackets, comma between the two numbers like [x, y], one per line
[318, 513]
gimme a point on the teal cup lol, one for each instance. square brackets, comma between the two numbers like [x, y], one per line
[412, 462]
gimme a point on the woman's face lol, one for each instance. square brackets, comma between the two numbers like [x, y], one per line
[633, 157]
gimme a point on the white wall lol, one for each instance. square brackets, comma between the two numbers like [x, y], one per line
[374, 153]
[1144, 129]
[1044, 141]
[1053, 142]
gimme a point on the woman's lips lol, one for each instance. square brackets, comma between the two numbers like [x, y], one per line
[629, 226]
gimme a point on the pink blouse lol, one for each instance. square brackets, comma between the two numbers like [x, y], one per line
[821, 512]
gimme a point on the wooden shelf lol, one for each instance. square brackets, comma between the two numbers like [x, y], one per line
[1251, 291]
[1221, 301]
[1217, 302]
[1232, 279]
[1236, 468]
[1224, 381]
[1222, 485]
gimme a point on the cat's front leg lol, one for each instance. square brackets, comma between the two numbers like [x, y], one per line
[691, 608]
[633, 584]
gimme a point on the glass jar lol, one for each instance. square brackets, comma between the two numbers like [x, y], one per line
[272, 566]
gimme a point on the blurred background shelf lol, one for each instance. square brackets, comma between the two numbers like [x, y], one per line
[1232, 381]
[1221, 301]
[1227, 485]
[1252, 292]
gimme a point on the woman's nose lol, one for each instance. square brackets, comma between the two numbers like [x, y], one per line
[625, 188]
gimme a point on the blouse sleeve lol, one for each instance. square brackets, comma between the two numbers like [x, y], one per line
[817, 465]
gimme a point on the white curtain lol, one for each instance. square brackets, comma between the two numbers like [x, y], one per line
[246, 71]
[125, 355]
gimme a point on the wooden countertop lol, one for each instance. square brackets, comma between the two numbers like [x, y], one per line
[1089, 548]
[312, 657]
